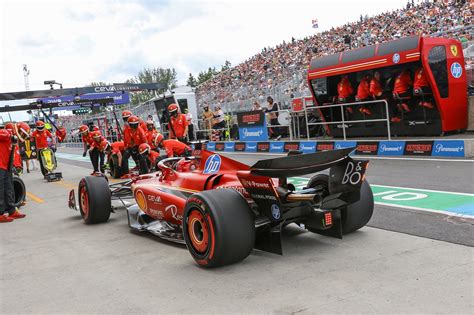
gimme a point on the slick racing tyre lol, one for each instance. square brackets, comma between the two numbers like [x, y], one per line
[355, 215]
[218, 227]
[94, 199]
[19, 190]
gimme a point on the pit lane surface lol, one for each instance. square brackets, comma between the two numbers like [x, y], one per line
[51, 262]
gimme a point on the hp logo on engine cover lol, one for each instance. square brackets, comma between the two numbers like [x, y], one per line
[456, 70]
[213, 164]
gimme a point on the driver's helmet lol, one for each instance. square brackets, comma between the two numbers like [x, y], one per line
[184, 165]
[39, 125]
[133, 122]
[105, 146]
[126, 114]
[144, 148]
[83, 129]
[158, 139]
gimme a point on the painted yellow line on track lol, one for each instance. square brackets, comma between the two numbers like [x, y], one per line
[34, 197]
[65, 184]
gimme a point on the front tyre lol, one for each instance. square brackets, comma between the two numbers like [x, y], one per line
[94, 200]
[218, 227]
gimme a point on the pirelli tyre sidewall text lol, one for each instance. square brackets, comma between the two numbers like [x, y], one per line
[218, 227]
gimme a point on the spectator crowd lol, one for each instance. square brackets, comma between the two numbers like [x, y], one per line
[283, 68]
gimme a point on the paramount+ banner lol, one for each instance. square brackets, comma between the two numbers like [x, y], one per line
[252, 126]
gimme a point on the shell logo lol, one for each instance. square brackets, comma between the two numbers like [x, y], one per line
[141, 200]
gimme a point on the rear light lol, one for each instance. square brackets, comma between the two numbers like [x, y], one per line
[328, 218]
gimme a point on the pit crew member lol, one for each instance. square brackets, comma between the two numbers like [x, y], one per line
[8, 139]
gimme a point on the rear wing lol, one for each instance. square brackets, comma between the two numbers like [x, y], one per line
[302, 164]
[345, 178]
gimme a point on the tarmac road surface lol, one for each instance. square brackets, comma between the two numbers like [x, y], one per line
[52, 262]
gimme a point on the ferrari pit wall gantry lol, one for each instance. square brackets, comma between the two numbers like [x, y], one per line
[222, 209]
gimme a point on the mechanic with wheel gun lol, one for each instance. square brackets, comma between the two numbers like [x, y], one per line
[114, 149]
[133, 136]
[87, 140]
[172, 147]
[8, 139]
[151, 157]
[41, 136]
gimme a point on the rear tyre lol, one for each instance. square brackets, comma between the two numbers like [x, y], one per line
[218, 227]
[94, 200]
[19, 191]
[356, 215]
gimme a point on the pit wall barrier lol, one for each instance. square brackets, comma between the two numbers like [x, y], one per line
[437, 148]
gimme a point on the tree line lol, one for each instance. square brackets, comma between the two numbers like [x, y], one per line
[168, 76]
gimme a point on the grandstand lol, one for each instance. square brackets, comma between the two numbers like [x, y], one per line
[281, 71]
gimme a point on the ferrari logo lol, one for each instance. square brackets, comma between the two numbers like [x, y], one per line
[454, 50]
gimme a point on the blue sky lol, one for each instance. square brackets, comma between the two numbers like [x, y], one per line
[79, 41]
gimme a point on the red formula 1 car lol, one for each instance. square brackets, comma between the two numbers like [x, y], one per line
[222, 209]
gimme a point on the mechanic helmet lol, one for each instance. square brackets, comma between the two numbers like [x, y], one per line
[158, 139]
[105, 146]
[83, 129]
[173, 109]
[10, 126]
[133, 121]
[126, 114]
[96, 135]
[22, 130]
[39, 125]
[150, 125]
[144, 148]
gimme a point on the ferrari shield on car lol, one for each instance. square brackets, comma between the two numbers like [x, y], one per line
[222, 209]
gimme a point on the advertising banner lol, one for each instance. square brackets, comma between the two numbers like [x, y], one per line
[252, 126]
[325, 146]
[367, 148]
[251, 147]
[308, 146]
[391, 148]
[418, 147]
[291, 146]
[220, 146]
[263, 147]
[211, 146]
[253, 133]
[276, 147]
[229, 147]
[239, 147]
[67, 101]
[344, 144]
[448, 148]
